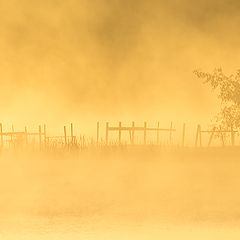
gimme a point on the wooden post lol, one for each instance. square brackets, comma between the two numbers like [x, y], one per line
[130, 135]
[97, 132]
[158, 126]
[183, 135]
[133, 133]
[71, 133]
[232, 137]
[45, 135]
[107, 129]
[83, 141]
[145, 133]
[1, 133]
[211, 137]
[222, 137]
[120, 133]
[12, 133]
[198, 136]
[65, 135]
[40, 136]
[26, 136]
[170, 135]
[196, 139]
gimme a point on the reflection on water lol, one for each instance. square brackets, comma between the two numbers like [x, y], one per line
[140, 195]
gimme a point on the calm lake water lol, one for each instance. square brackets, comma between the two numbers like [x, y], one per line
[120, 196]
[94, 229]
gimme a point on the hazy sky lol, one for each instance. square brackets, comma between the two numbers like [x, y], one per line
[63, 59]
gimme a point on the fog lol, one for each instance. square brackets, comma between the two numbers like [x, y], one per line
[85, 61]
[100, 60]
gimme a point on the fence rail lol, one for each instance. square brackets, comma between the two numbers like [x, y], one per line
[132, 129]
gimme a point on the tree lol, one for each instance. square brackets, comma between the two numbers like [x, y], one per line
[228, 88]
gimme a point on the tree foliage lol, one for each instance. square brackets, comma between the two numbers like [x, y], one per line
[228, 88]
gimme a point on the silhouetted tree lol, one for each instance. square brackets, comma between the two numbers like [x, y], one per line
[228, 88]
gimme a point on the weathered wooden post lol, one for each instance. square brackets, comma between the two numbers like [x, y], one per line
[84, 143]
[222, 137]
[97, 132]
[71, 133]
[232, 137]
[196, 139]
[133, 133]
[183, 135]
[12, 134]
[26, 136]
[40, 136]
[1, 133]
[211, 136]
[45, 135]
[158, 126]
[119, 133]
[65, 135]
[145, 133]
[198, 136]
[107, 129]
[170, 135]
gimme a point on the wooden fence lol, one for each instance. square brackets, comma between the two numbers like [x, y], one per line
[68, 139]
[215, 132]
[133, 129]
[43, 139]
